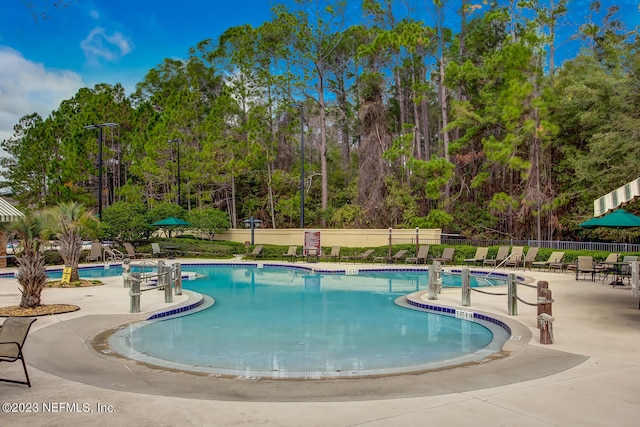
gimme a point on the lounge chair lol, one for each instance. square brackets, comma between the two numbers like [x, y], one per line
[132, 254]
[96, 252]
[515, 258]
[363, 257]
[256, 252]
[447, 256]
[502, 253]
[112, 254]
[13, 333]
[421, 256]
[530, 257]
[394, 258]
[481, 254]
[334, 255]
[555, 259]
[292, 254]
[156, 252]
[584, 266]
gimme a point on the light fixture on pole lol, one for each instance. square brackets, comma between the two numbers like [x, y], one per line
[301, 166]
[99, 127]
[177, 141]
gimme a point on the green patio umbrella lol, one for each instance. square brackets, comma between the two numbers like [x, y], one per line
[170, 223]
[616, 219]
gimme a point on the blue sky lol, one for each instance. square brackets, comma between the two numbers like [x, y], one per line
[47, 53]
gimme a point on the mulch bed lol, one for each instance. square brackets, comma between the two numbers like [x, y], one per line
[48, 309]
[42, 310]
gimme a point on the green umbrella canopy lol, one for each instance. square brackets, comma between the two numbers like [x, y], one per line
[616, 219]
[170, 222]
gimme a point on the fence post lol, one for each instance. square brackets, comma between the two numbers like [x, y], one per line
[126, 273]
[134, 293]
[178, 280]
[168, 291]
[466, 287]
[434, 280]
[512, 303]
[545, 318]
[634, 280]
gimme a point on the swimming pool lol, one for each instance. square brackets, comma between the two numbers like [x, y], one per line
[293, 323]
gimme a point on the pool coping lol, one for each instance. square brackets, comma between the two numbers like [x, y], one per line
[81, 339]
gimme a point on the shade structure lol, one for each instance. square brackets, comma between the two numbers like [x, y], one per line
[628, 192]
[8, 213]
[170, 222]
[619, 218]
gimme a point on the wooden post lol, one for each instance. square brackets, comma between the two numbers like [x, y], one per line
[134, 293]
[466, 287]
[126, 273]
[178, 279]
[545, 318]
[512, 299]
[168, 291]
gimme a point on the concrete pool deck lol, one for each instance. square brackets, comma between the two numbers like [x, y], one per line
[589, 376]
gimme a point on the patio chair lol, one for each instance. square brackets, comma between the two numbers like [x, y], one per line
[363, 257]
[446, 257]
[502, 253]
[603, 268]
[112, 254]
[481, 254]
[530, 257]
[555, 260]
[515, 258]
[156, 252]
[13, 333]
[421, 256]
[132, 254]
[625, 270]
[96, 252]
[256, 252]
[584, 266]
[394, 258]
[292, 254]
[334, 255]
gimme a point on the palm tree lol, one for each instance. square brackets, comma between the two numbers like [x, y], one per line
[31, 273]
[69, 220]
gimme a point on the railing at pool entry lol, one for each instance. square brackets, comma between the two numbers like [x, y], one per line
[167, 277]
[543, 303]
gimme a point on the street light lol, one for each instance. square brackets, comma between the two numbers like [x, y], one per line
[177, 141]
[301, 165]
[99, 127]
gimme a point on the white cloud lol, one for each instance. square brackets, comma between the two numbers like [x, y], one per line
[100, 45]
[27, 87]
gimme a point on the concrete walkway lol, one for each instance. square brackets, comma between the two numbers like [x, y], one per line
[589, 376]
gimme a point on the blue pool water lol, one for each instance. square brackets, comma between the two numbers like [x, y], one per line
[281, 322]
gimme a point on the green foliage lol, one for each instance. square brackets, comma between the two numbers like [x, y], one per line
[208, 220]
[346, 216]
[525, 142]
[125, 221]
[437, 218]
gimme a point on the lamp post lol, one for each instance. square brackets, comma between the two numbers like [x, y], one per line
[177, 141]
[301, 166]
[99, 127]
